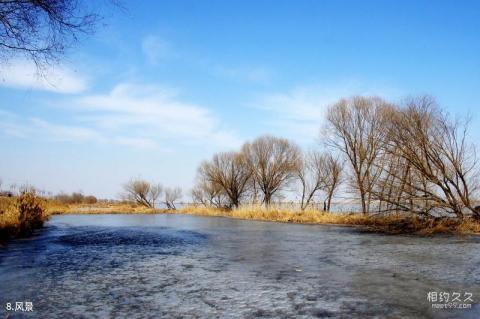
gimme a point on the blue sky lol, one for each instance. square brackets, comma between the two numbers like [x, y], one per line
[166, 84]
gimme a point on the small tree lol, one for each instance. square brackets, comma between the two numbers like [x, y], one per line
[142, 192]
[171, 196]
[230, 172]
[318, 172]
[207, 194]
[310, 176]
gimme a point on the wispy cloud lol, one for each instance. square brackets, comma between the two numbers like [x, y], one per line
[156, 111]
[21, 73]
[132, 115]
[300, 111]
[155, 49]
[39, 129]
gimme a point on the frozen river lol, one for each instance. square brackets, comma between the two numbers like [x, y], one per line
[177, 266]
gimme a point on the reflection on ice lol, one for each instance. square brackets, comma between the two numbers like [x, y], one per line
[138, 266]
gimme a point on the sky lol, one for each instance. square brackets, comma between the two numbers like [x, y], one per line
[163, 85]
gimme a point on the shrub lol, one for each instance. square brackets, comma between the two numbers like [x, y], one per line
[30, 210]
[21, 215]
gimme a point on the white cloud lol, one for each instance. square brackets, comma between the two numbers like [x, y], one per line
[155, 113]
[300, 112]
[155, 49]
[21, 73]
[139, 116]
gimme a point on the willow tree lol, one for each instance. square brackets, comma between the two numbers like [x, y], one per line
[142, 192]
[357, 128]
[230, 172]
[435, 148]
[273, 162]
[318, 173]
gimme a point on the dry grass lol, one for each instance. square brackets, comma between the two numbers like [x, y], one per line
[392, 223]
[21, 215]
[8, 215]
[55, 207]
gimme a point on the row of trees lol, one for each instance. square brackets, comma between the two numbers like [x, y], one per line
[148, 194]
[260, 170]
[412, 158]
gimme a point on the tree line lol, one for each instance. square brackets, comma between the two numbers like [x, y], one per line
[411, 157]
[261, 169]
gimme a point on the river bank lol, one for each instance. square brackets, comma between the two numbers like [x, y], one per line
[391, 223]
[21, 215]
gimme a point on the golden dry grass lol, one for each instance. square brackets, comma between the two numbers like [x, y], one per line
[55, 207]
[392, 223]
[21, 215]
[8, 215]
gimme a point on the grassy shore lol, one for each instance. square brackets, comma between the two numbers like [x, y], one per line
[22, 214]
[392, 223]
[58, 208]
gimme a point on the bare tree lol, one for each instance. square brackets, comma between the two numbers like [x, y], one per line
[142, 192]
[441, 163]
[273, 162]
[356, 127]
[208, 194]
[331, 169]
[42, 29]
[310, 176]
[318, 172]
[171, 196]
[230, 172]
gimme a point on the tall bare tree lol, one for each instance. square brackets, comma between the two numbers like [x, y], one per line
[230, 172]
[142, 192]
[435, 149]
[356, 127]
[273, 162]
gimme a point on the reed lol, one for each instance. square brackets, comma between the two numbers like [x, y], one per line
[21, 215]
[397, 223]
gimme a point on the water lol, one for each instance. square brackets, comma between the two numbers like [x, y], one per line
[151, 266]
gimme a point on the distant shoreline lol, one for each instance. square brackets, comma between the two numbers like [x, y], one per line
[390, 224]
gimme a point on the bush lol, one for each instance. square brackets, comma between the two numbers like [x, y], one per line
[90, 199]
[21, 215]
[31, 209]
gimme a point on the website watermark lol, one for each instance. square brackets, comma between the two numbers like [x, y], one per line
[450, 299]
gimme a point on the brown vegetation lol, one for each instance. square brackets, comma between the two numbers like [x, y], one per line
[21, 215]
[392, 223]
